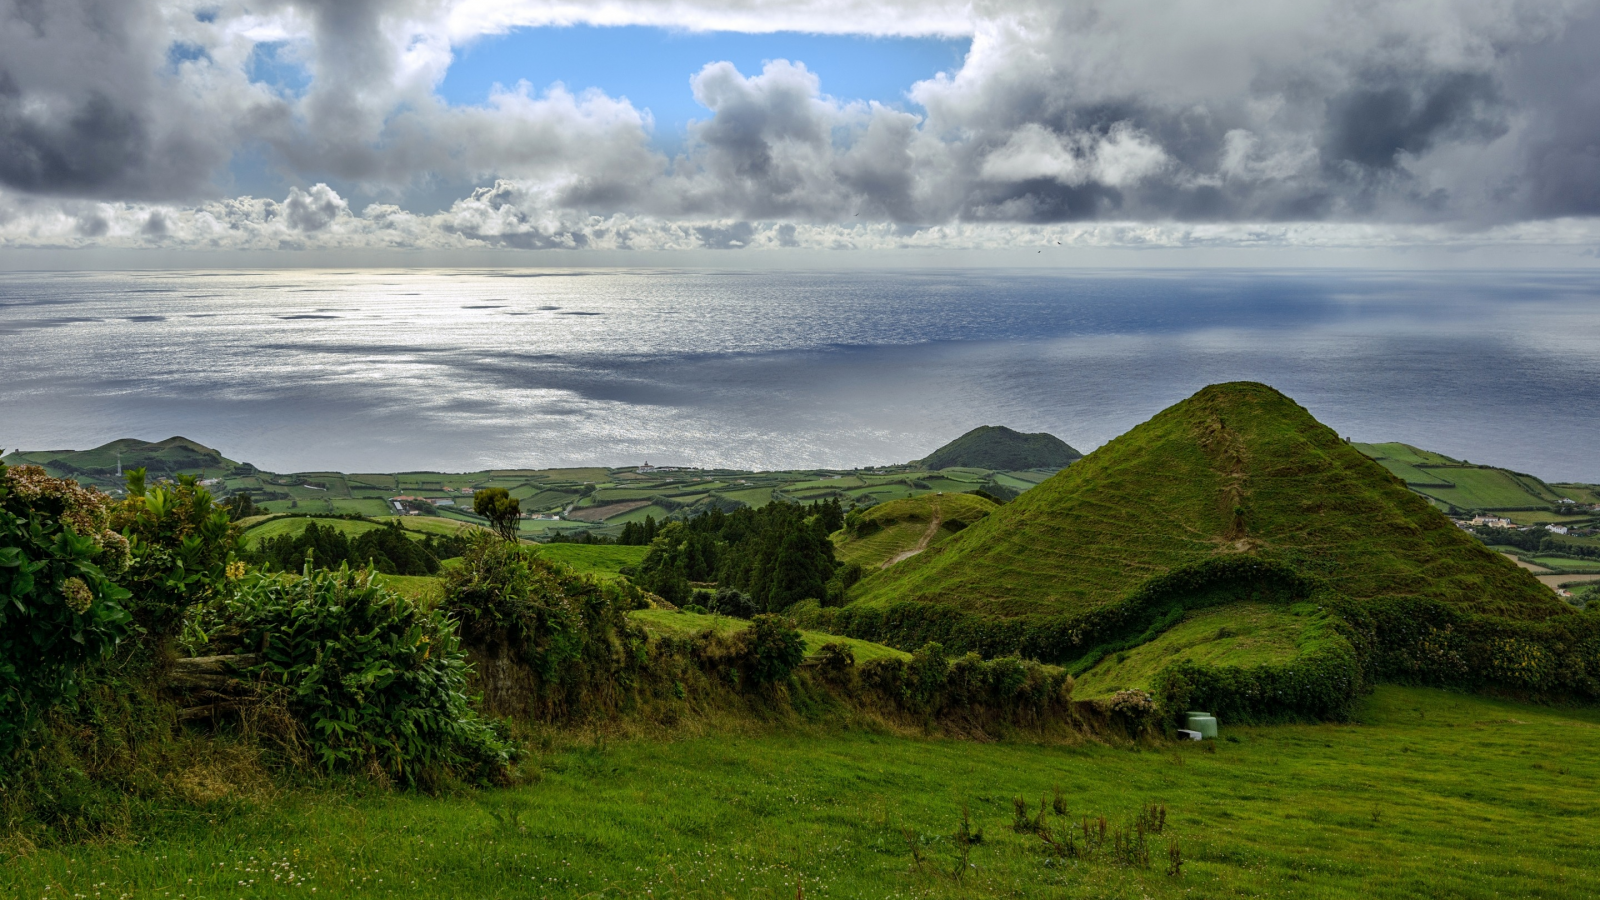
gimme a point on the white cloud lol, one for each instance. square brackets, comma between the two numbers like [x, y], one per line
[1200, 120]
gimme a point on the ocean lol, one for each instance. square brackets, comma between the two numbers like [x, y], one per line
[457, 370]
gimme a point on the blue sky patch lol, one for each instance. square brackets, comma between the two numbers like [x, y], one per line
[652, 66]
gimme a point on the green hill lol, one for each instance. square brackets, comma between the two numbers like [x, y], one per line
[895, 531]
[1236, 470]
[998, 447]
[1235, 554]
[168, 457]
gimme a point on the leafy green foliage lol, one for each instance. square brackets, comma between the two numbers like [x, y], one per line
[376, 680]
[773, 648]
[58, 606]
[501, 509]
[180, 544]
[548, 641]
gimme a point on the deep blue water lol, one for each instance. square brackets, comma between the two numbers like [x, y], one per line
[457, 370]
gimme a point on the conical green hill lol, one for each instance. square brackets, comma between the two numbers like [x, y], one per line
[1236, 469]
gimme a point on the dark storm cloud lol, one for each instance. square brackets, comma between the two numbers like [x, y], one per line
[1372, 125]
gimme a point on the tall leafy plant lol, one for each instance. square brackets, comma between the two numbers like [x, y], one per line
[180, 545]
[377, 680]
[59, 608]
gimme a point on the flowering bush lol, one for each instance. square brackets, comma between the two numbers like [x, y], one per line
[1134, 709]
[58, 606]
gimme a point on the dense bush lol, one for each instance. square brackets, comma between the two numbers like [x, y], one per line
[58, 606]
[773, 649]
[1420, 641]
[548, 642]
[1007, 688]
[180, 544]
[376, 680]
[1323, 685]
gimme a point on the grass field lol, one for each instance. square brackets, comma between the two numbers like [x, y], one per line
[1488, 489]
[296, 524]
[678, 622]
[1431, 795]
[604, 560]
[431, 524]
[1566, 563]
[417, 587]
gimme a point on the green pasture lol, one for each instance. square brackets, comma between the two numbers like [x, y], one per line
[1566, 563]
[431, 524]
[1412, 475]
[1488, 489]
[427, 588]
[660, 513]
[672, 621]
[296, 524]
[605, 560]
[1430, 794]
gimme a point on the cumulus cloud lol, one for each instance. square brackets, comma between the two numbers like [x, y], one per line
[1140, 119]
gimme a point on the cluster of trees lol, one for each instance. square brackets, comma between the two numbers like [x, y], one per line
[640, 534]
[1535, 540]
[773, 556]
[388, 549]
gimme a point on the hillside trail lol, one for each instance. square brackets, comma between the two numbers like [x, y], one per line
[934, 521]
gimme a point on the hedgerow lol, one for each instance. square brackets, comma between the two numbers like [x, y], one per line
[1058, 639]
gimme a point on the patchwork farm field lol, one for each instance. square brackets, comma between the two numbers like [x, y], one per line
[1429, 794]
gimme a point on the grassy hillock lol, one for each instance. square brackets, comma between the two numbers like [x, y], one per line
[1234, 497]
[890, 532]
[1237, 469]
[998, 447]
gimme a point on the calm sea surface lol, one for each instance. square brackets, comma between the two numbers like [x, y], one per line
[460, 370]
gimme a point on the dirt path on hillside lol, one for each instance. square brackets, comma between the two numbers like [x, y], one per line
[934, 522]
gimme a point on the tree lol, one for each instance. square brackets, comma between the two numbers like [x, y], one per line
[500, 508]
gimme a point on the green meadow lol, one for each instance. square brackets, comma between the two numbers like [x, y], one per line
[1428, 794]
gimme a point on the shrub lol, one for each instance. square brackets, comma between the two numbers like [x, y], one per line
[547, 640]
[180, 544]
[376, 680]
[772, 649]
[729, 602]
[1136, 710]
[836, 662]
[58, 606]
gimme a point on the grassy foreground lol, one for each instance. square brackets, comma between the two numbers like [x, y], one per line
[1431, 795]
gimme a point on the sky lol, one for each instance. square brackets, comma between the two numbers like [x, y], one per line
[1461, 130]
